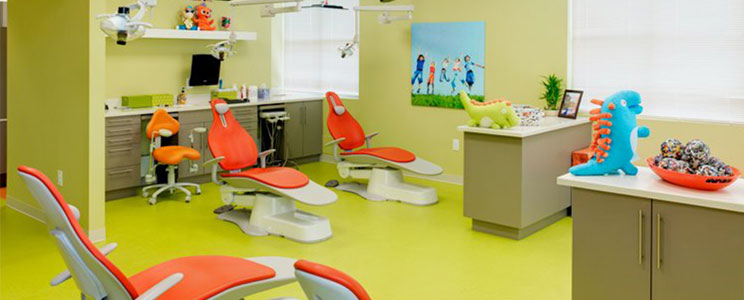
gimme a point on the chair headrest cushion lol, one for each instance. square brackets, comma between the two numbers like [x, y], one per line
[221, 108]
[339, 110]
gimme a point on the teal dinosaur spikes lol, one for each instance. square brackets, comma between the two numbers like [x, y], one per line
[616, 136]
[495, 114]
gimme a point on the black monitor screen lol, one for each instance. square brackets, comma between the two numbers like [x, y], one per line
[205, 70]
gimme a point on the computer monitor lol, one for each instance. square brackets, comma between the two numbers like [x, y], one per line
[205, 70]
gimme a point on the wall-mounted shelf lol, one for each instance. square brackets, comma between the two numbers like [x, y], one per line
[155, 33]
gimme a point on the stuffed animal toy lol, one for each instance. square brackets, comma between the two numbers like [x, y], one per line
[494, 114]
[187, 18]
[204, 18]
[615, 136]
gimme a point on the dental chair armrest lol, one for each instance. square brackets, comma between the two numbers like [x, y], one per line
[214, 164]
[335, 143]
[263, 156]
[161, 287]
[65, 275]
[369, 138]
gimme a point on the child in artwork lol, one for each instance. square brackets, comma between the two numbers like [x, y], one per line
[418, 75]
[456, 70]
[432, 74]
[443, 72]
[469, 79]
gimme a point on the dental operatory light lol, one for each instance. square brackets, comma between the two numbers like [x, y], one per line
[385, 17]
[224, 49]
[123, 28]
[269, 10]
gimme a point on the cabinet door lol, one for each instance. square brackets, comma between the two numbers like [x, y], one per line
[294, 131]
[183, 140]
[698, 253]
[313, 128]
[611, 246]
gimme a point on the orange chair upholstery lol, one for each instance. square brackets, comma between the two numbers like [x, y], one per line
[173, 155]
[387, 153]
[283, 178]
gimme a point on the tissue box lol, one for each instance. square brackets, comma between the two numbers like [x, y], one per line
[528, 115]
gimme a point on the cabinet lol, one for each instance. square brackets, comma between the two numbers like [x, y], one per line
[634, 248]
[304, 131]
[122, 152]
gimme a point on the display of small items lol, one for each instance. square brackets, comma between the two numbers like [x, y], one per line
[528, 115]
[197, 18]
[691, 158]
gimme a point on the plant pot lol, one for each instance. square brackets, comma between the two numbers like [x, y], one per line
[551, 113]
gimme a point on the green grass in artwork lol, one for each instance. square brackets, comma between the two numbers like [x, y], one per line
[441, 100]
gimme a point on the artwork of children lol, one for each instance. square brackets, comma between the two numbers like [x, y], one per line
[447, 58]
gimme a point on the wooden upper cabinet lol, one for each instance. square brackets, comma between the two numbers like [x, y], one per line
[700, 252]
[611, 246]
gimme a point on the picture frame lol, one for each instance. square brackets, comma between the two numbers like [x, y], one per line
[570, 104]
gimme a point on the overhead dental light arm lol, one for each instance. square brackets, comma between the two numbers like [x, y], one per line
[123, 28]
[384, 18]
[269, 10]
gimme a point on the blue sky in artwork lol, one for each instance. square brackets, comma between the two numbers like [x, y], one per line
[452, 40]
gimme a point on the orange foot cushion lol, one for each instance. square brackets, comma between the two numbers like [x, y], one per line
[333, 275]
[387, 153]
[173, 155]
[203, 276]
[283, 178]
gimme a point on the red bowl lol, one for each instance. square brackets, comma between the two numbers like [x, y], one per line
[698, 182]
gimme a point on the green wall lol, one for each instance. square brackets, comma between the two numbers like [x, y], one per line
[55, 117]
[524, 40]
[149, 66]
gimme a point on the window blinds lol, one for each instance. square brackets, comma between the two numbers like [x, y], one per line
[312, 62]
[685, 57]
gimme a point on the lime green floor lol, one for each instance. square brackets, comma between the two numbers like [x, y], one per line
[396, 251]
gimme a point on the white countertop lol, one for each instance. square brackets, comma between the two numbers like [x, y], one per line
[202, 105]
[548, 124]
[647, 185]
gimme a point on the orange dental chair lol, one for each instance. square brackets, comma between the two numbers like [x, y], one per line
[192, 278]
[163, 125]
[382, 166]
[266, 195]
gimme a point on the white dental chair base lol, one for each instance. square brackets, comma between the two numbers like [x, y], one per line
[388, 184]
[276, 215]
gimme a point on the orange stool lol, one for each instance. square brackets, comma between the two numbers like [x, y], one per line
[163, 125]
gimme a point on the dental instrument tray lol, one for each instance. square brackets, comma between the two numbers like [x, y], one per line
[141, 101]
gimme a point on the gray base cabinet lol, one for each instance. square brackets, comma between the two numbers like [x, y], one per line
[634, 248]
[304, 132]
[123, 148]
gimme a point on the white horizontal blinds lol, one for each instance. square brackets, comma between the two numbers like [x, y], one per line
[312, 61]
[685, 57]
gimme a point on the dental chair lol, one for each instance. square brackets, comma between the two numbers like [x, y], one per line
[267, 195]
[195, 277]
[163, 125]
[382, 166]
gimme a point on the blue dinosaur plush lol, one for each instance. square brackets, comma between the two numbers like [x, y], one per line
[615, 137]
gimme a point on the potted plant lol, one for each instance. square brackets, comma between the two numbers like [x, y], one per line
[552, 94]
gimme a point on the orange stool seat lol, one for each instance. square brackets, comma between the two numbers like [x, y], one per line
[173, 155]
[386, 153]
[283, 178]
[203, 276]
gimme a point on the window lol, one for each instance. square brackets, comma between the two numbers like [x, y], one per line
[312, 62]
[685, 57]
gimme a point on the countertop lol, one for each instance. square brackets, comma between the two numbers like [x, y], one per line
[647, 185]
[548, 124]
[203, 105]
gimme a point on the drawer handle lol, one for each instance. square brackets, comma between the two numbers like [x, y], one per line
[120, 130]
[120, 121]
[121, 172]
[120, 150]
[640, 237]
[658, 241]
[120, 140]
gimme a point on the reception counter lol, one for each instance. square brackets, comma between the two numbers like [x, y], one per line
[509, 176]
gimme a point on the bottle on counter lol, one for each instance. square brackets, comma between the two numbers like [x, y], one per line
[181, 99]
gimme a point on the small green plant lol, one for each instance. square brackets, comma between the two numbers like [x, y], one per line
[553, 85]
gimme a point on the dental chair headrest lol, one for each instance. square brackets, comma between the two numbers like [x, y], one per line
[221, 108]
[339, 110]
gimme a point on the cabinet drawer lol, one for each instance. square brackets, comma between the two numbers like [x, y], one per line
[122, 155]
[122, 140]
[123, 121]
[122, 130]
[122, 177]
[190, 117]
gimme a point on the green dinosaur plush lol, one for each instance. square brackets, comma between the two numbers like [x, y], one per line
[496, 114]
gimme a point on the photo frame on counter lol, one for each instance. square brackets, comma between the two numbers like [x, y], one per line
[570, 105]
